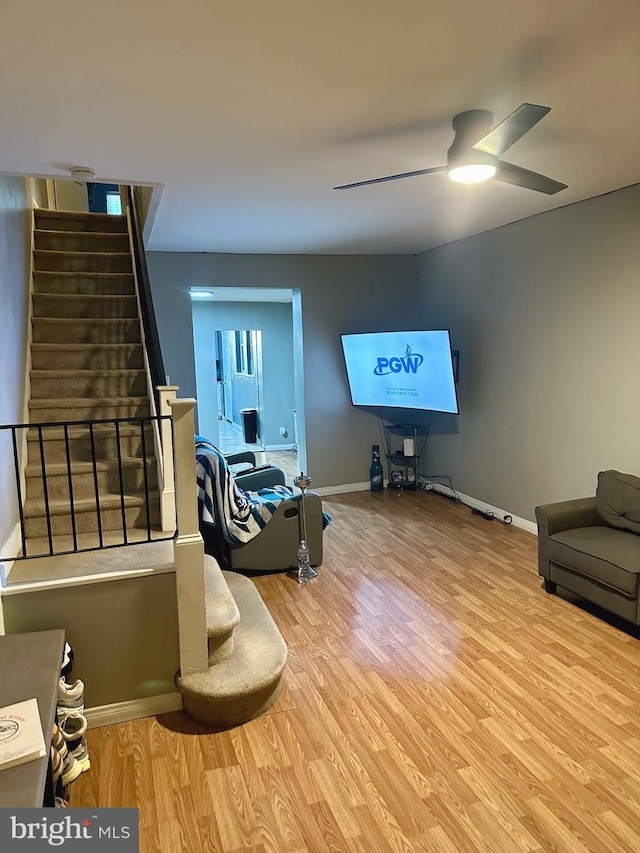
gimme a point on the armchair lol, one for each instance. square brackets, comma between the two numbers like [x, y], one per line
[591, 546]
[249, 530]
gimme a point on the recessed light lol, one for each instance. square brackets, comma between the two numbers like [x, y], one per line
[201, 294]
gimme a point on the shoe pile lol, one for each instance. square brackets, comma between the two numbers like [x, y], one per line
[69, 754]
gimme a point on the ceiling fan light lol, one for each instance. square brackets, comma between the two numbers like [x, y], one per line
[472, 173]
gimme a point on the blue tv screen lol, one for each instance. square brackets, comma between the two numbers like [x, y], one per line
[408, 370]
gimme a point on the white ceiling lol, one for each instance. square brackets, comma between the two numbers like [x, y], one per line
[249, 112]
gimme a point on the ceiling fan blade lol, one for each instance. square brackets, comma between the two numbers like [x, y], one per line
[392, 178]
[511, 129]
[511, 174]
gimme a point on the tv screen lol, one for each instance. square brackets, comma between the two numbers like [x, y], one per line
[408, 370]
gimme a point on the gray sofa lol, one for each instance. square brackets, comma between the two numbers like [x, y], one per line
[591, 546]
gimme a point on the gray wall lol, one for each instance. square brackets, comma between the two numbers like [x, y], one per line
[546, 314]
[14, 276]
[339, 294]
[275, 321]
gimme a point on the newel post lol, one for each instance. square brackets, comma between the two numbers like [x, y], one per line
[188, 545]
[167, 393]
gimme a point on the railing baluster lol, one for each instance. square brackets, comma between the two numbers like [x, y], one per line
[45, 490]
[96, 485]
[147, 505]
[74, 532]
[121, 477]
[16, 462]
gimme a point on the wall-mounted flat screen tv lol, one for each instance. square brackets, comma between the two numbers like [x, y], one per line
[408, 370]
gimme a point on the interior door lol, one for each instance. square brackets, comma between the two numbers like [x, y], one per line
[227, 362]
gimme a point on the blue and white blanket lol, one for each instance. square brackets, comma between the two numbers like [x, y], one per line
[240, 515]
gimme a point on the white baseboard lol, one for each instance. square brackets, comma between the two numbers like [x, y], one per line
[276, 447]
[342, 489]
[522, 523]
[134, 709]
[517, 521]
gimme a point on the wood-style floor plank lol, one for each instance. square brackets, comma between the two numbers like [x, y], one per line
[435, 699]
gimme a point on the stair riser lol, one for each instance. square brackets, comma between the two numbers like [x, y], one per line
[81, 262]
[93, 285]
[130, 358]
[83, 306]
[131, 384]
[220, 648]
[80, 448]
[83, 483]
[58, 222]
[82, 332]
[86, 522]
[96, 411]
[85, 242]
[224, 714]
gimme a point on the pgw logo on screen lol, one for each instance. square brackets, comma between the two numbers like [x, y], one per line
[409, 363]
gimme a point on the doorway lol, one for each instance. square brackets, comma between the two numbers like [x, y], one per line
[239, 389]
[245, 336]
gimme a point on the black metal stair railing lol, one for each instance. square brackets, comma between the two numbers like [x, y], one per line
[152, 338]
[76, 436]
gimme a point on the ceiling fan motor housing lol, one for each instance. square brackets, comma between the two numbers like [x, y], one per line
[469, 127]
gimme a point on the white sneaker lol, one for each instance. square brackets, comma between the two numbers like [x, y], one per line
[81, 755]
[71, 769]
[70, 695]
[72, 724]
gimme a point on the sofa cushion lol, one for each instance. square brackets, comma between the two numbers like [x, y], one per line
[610, 557]
[618, 500]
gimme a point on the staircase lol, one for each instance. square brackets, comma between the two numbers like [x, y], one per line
[247, 654]
[87, 364]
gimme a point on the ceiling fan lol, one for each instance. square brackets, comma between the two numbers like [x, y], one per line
[476, 152]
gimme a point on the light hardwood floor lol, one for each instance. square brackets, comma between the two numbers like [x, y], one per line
[436, 699]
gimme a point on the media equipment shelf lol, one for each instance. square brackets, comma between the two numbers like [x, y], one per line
[403, 464]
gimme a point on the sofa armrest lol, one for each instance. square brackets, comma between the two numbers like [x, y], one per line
[244, 456]
[255, 479]
[566, 515]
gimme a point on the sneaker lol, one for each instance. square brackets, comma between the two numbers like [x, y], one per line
[72, 727]
[61, 803]
[58, 742]
[70, 695]
[71, 769]
[81, 755]
[67, 660]
[56, 764]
